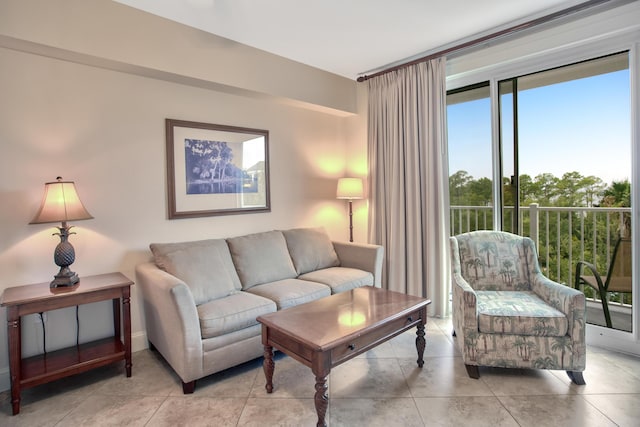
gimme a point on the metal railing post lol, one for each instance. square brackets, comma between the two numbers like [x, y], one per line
[534, 228]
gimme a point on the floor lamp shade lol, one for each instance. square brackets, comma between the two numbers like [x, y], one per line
[350, 189]
[61, 203]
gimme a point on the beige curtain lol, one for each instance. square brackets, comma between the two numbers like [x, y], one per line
[407, 180]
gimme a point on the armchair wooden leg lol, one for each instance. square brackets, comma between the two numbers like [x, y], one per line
[576, 377]
[472, 371]
[188, 388]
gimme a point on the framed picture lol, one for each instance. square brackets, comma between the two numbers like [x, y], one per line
[216, 169]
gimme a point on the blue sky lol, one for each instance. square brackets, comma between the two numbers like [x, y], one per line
[581, 125]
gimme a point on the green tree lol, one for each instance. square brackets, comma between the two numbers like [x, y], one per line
[545, 186]
[480, 192]
[527, 190]
[618, 194]
[593, 187]
[458, 183]
[568, 189]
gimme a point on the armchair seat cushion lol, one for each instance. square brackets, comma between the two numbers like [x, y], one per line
[340, 279]
[233, 313]
[518, 313]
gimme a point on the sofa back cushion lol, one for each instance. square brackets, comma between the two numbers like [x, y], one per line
[261, 258]
[205, 266]
[310, 249]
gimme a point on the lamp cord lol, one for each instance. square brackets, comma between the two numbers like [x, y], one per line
[77, 326]
[44, 330]
[44, 333]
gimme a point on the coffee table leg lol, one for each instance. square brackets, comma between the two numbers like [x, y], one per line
[321, 399]
[268, 366]
[420, 344]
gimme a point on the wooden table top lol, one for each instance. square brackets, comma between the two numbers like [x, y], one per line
[319, 324]
[42, 291]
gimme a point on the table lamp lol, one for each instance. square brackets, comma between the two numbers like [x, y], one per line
[350, 189]
[61, 203]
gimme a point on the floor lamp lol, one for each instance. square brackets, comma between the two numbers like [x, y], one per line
[350, 189]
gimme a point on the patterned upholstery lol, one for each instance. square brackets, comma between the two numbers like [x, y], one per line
[518, 313]
[507, 314]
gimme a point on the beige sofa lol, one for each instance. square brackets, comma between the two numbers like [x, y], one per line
[201, 298]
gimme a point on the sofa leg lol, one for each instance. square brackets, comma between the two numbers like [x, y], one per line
[472, 371]
[151, 346]
[453, 333]
[576, 377]
[188, 388]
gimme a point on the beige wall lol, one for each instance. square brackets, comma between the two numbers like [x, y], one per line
[92, 109]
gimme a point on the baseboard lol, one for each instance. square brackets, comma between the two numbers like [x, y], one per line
[5, 379]
[138, 342]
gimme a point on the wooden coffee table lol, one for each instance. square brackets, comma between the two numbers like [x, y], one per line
[327, 332]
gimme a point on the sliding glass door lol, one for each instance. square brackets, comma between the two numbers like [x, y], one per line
[563, 158]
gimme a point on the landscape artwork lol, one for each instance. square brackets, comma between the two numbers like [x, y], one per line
[211, 169]
[216, 169]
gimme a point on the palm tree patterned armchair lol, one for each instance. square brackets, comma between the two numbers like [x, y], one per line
[507, 314]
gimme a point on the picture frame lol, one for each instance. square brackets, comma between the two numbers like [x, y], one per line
[216, 169]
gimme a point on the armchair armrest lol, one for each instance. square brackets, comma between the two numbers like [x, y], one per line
[465, 312]
[569, 301]
[363, 256]
[171, 319]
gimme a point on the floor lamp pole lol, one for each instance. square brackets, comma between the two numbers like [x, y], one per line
[350, 221]
[350, 189]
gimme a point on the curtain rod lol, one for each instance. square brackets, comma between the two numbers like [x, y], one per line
[507, 31]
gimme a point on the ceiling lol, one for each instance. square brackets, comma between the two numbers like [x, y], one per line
[349, 37]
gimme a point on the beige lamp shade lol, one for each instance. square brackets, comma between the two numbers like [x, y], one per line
[60, 204]
[350, 188]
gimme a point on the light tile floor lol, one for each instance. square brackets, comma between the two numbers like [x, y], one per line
[383, 387]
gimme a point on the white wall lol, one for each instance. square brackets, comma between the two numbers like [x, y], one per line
[92, 110]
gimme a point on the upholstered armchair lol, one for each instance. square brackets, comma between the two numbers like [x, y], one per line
[507, 314]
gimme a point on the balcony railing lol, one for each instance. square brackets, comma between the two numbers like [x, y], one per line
[563, 236]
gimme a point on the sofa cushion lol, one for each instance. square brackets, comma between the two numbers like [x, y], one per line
[236, 312]
[290, 292]
[518, 313]
[205, 266]
[310, 249]
[261, 258]
[340, 279]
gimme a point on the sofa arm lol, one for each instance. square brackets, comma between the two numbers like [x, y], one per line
[465, 305]
[171, 320]
[363, 256]
[571, 302]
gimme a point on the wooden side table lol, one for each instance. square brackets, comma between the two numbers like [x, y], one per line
[37, 298]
